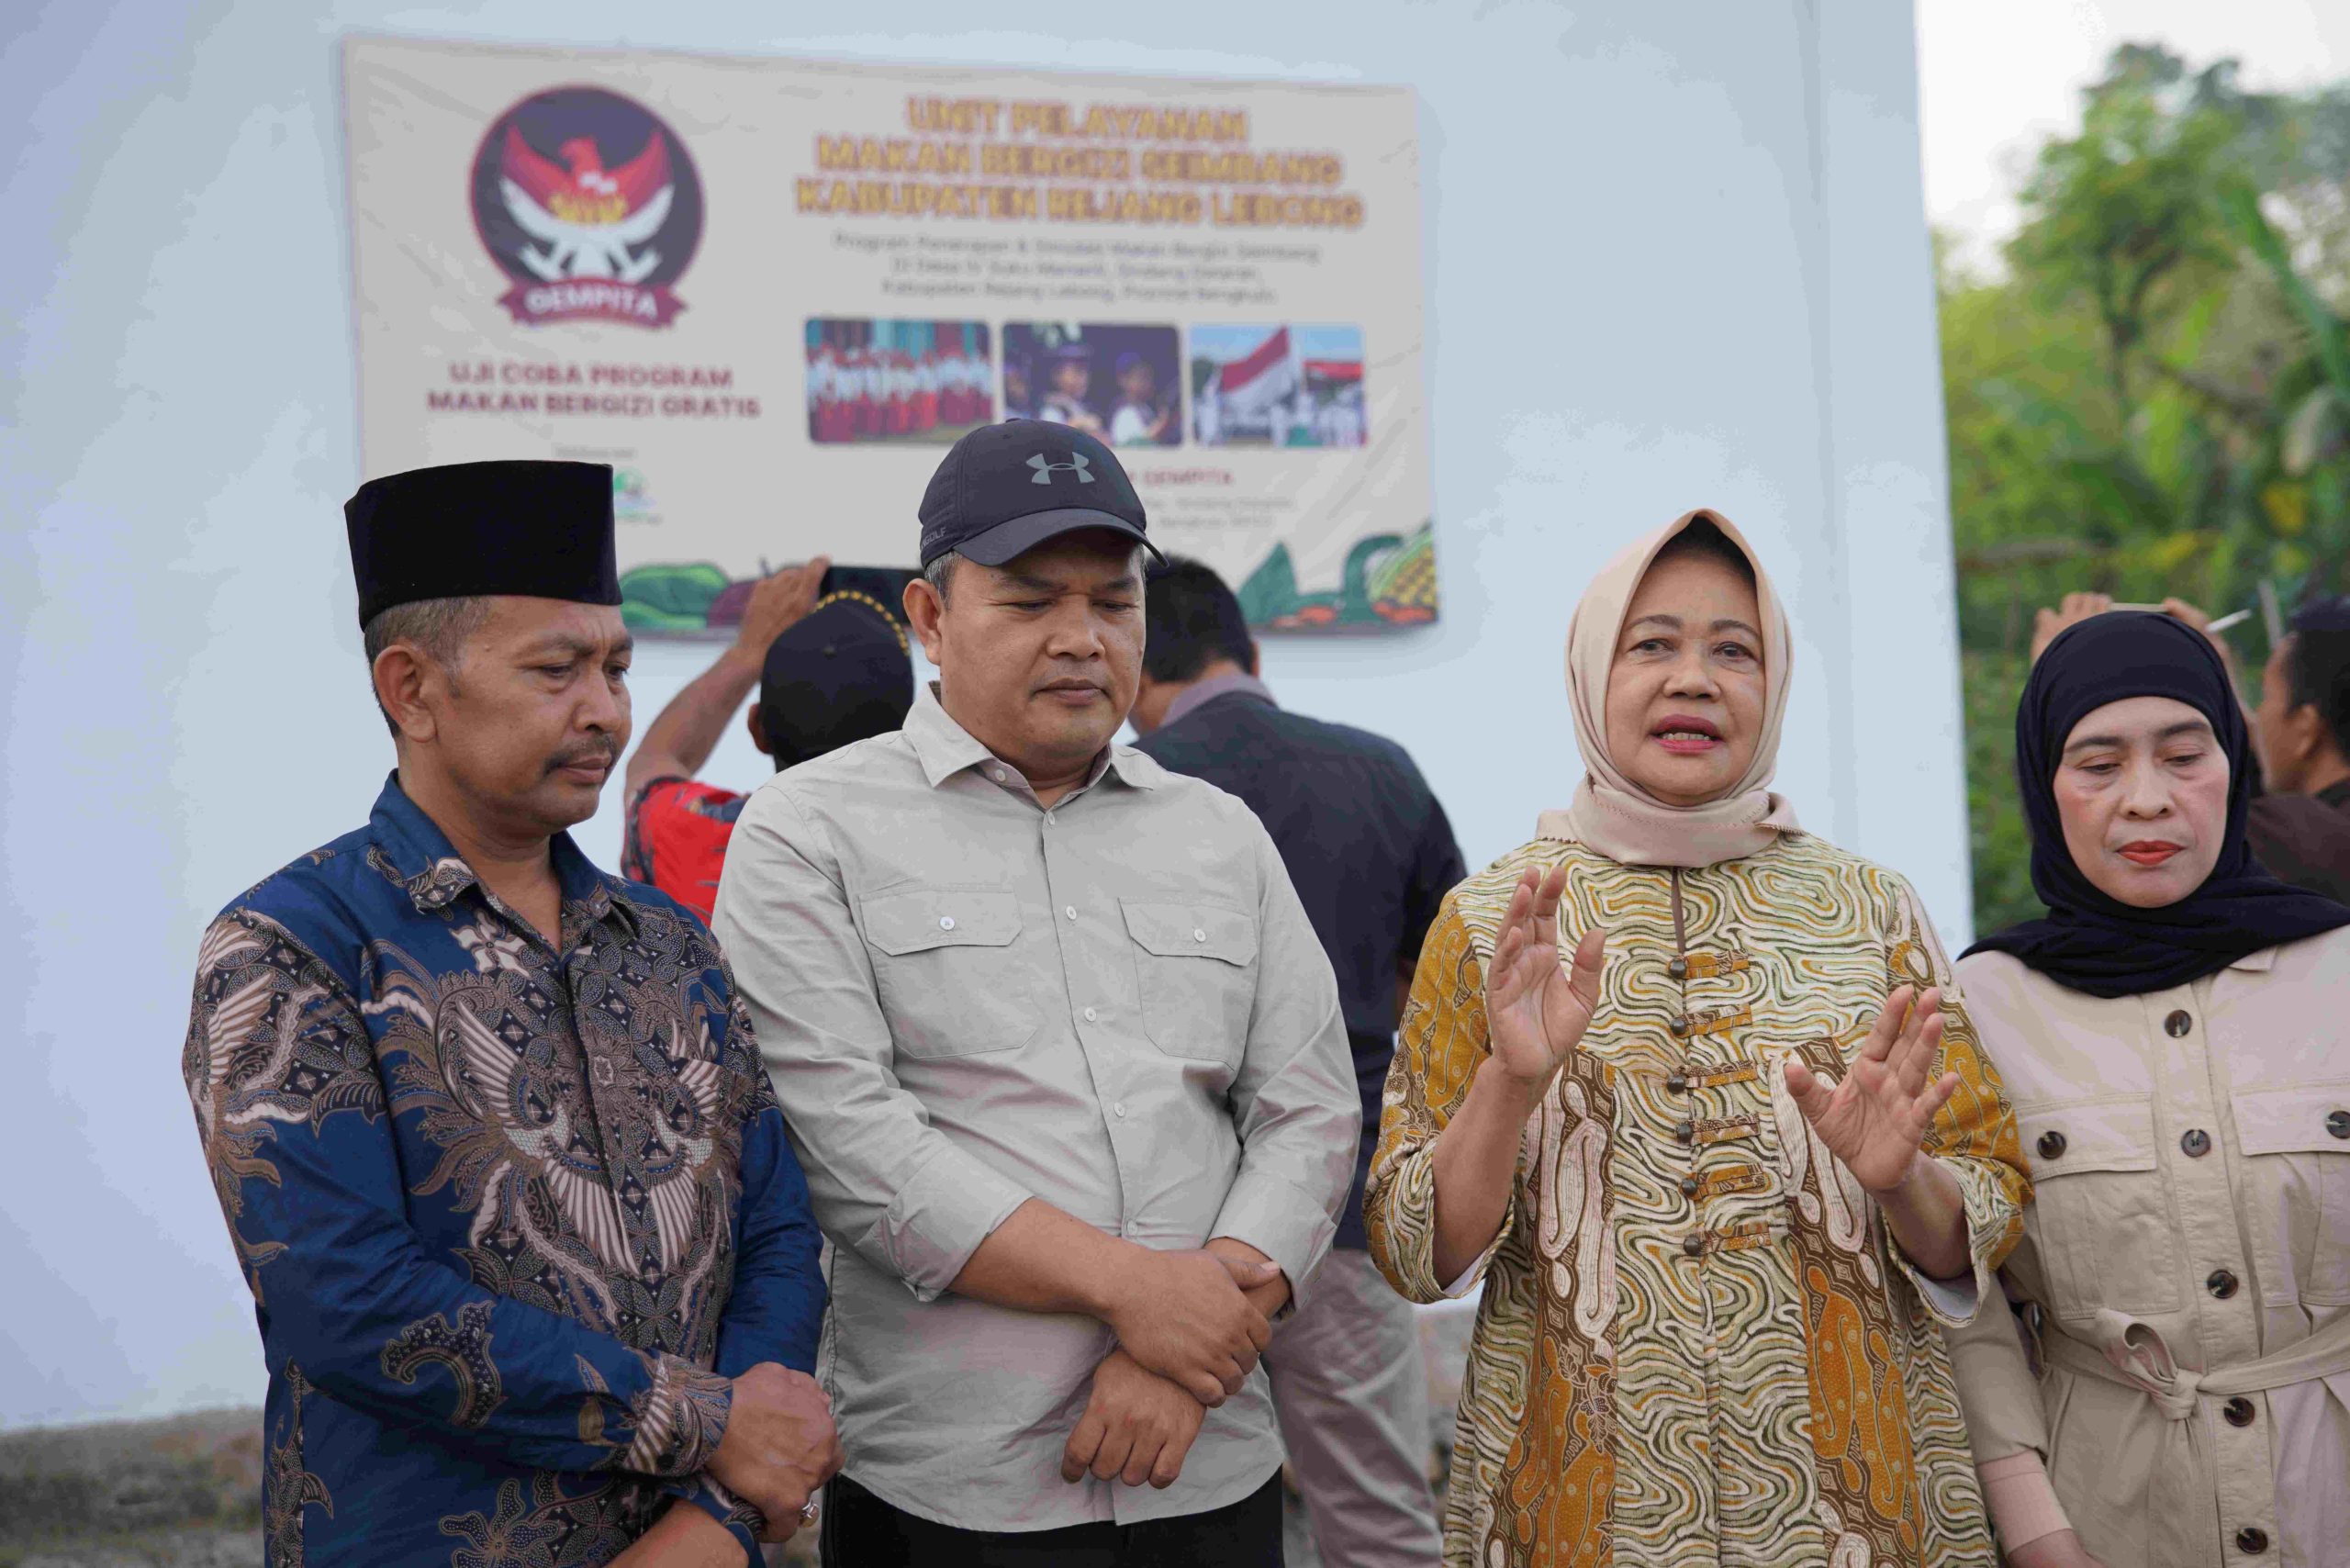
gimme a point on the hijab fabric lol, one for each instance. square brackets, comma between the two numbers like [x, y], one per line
[1612, 815]
[2091, 941]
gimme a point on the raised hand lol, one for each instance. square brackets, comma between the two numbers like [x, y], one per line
[778, 603]
[1875, 1118]
[1182, 1315]
[1535, 1012]
[2076, 608]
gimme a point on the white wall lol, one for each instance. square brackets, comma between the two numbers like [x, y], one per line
[1675, 256]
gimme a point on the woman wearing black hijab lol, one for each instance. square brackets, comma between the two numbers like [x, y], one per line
[2176, 1037]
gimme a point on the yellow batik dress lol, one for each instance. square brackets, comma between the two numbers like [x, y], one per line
[1698, 1344]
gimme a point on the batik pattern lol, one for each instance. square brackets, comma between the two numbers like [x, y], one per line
[1696, 1344]
[527, 1204]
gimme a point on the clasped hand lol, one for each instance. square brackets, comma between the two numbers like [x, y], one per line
[1182, 1315]
[779, 1444]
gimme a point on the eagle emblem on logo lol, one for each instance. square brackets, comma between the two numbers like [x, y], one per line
[590, 205]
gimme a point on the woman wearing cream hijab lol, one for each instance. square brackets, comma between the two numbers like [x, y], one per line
[1724, 1175]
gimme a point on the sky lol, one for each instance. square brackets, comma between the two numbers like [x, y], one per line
[1996, 76]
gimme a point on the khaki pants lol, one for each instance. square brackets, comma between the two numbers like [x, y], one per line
[1351, 1390]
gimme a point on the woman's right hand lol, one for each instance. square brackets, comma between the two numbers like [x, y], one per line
[1535, 1010]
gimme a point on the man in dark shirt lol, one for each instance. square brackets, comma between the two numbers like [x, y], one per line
[2301, 829]
[1372, 855]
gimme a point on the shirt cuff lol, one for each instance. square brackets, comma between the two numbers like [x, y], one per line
[680, 1419]
[1474, 1274]
[1953, 1303]
[2023, 1505]
[1281, 1220]
[742, 1520]
[941, 1215]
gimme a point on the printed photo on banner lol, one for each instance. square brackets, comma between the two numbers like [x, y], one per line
[1117, 381]
[921, 382]
[1278, 385]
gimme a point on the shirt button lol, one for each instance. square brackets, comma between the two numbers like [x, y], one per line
[996, 774]
[2195, 1142]
[1678, 968]
[2338, 1122]
[1679, 1025]
[1119, 1110]
[947, 923]
[1048, 819]
[1090, 1015]
[1693, 1243]
[2179, 1024]
[1070, 912]
[2252, 1541]
[2052, 1145]
[1689, 1185]
[1685, 1133]
[2221, 1284]
[2239, 1411]
[1198, 935]
[1676, 1084]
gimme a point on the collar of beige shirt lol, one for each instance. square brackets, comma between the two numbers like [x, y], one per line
[946, 748]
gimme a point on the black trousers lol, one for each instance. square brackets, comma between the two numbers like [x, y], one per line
[860, 1531]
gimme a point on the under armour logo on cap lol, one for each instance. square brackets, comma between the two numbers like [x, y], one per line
[1047, 469]
[993, 498]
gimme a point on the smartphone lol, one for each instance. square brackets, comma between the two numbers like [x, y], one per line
[884, 584]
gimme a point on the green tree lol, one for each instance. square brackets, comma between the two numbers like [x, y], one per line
[2153, 397]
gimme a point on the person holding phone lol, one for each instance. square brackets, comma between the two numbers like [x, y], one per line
[830, 666]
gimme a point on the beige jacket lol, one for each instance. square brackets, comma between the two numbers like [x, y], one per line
[2190, 1149]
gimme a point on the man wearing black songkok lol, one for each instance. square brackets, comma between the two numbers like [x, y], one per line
[829, 672]
[529, 1251]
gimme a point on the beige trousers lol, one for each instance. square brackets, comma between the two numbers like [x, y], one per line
[1350, 1388]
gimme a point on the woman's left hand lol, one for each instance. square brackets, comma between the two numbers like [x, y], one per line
[1876, 1116]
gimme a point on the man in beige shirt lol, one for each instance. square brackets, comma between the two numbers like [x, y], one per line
[1061, 1056]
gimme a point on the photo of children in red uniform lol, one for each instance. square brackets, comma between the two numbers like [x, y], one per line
[919, 381]
[1118, 382]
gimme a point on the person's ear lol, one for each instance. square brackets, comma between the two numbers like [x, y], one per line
[404, 680]
[926, 613]
[1256, 659]
[2306, 735]
[758, 729]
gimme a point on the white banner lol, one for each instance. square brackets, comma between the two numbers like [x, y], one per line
[771, 292]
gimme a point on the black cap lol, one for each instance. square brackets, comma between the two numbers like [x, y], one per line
[538, 530]
[840, 673]
[1005, 488]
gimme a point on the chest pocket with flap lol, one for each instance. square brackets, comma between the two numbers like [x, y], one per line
[1196, 964]
[2101, 1216]
[2296, 1142]
[945, 969]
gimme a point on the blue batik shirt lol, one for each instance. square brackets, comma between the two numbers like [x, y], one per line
[512, 1214]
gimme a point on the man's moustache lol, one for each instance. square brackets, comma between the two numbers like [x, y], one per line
[608, 755]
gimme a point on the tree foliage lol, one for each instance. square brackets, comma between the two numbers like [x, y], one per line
[2153, 397]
